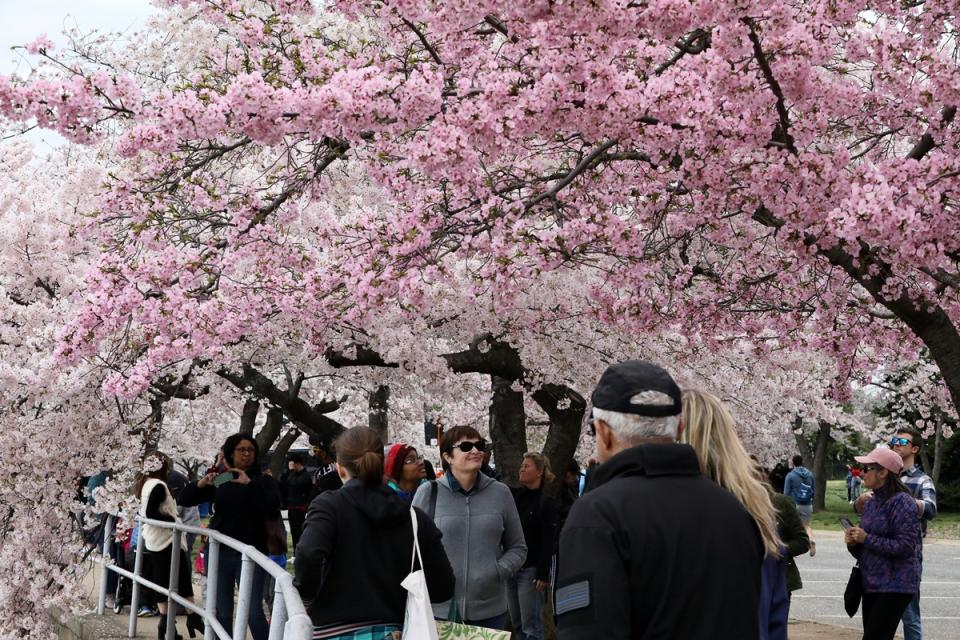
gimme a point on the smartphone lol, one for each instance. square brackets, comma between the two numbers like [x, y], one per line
[225, 477]
[846, 522]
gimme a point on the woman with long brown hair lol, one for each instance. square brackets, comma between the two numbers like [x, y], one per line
[356, 546]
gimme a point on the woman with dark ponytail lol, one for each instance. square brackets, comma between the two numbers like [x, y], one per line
[356, 548]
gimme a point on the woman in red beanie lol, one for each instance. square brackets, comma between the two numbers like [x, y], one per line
[404, 470]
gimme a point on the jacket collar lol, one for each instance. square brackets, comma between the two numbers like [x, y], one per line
[483, 481]
[651, 460]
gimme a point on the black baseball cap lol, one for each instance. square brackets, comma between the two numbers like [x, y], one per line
[622, 381]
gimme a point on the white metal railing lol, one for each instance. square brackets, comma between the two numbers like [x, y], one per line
[289, 620]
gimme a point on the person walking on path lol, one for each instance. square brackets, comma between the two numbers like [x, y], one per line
[885, 543]
[653, 549]
[296, 485]
[907, 443]
[527, 588]
[798, 486]
[356, 549]
[708, 427]
[241, 507]
[481, 530]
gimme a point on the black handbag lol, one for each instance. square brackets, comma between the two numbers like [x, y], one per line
[854, 591]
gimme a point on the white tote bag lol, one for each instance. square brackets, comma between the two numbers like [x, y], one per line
[418, 623]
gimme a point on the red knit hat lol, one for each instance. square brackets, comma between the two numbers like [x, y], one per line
[393, 462]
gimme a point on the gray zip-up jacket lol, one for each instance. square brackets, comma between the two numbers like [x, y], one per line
[483, 539]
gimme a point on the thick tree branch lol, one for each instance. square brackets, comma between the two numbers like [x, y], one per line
[782, 131]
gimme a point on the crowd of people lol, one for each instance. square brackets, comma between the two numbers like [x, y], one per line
[672, 513]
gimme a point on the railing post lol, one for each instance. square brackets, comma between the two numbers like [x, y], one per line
[244, 599]
[278, 619]
[212, 561]
[104, 567]
[172, 585]
[135, 591]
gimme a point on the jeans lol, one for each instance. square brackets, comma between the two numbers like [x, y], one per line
[229, 576]
[526, 604]
[912, 629]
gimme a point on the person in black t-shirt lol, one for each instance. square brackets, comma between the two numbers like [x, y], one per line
[325, 478]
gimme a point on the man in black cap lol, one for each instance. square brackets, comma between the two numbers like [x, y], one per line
[653, 549]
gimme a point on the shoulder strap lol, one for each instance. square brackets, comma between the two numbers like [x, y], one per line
[433, 499]
[415, 555]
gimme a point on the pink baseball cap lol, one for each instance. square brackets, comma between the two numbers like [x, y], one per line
[886, 458]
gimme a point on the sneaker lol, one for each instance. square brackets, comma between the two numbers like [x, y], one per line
[813, 548]
[145, 612]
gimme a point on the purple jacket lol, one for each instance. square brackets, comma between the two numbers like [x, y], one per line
[889, 561]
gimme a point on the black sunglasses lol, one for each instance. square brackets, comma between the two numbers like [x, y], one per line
[468, 446]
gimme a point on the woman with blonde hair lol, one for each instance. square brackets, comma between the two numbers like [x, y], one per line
[538, 517]
[708, 427]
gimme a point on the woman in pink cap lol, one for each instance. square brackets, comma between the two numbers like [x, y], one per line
[886, 545]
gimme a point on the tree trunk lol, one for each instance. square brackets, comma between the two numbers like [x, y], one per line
[271, 430]
[937, 453]
[565, 408]
[379, 402]
[151, 434]
[801, 440]
[248, 417]
[820, 467]
[817, 457]
[278, 463]
[508, 428]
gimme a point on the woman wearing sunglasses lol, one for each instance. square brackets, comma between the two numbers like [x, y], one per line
[886, 545]
[481, 528]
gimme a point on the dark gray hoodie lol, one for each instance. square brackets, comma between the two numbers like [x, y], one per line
[483, 538]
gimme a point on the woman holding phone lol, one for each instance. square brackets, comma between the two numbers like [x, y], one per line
[885, 543]
[243, 499]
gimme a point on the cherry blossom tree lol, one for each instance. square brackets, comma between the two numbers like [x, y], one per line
[481, 205]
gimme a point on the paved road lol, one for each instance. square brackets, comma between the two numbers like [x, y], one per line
[825, 577]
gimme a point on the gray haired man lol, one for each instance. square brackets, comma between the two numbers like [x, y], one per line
[653, 549]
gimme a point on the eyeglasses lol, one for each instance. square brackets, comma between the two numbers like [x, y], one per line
[870, 467]
[468, 446]
[413, 459]
[900, 441]
[244, 450]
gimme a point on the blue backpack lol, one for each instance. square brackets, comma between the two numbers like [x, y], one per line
[803, 494]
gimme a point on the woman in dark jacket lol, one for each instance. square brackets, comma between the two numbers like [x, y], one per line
[538, 517]
[356, 548]
[886, 545]
[241, 506]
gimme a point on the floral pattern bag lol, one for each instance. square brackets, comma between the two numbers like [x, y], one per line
[461, 631]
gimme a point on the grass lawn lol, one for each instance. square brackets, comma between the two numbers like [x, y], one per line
[945, 525]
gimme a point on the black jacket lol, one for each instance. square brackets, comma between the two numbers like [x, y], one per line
[295, 488]
[656, 551]
[356, 549]
[538, 517]
[239, 510]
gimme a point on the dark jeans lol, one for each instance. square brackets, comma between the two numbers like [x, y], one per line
[296, 518]
[229, 576]
[881, 614]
